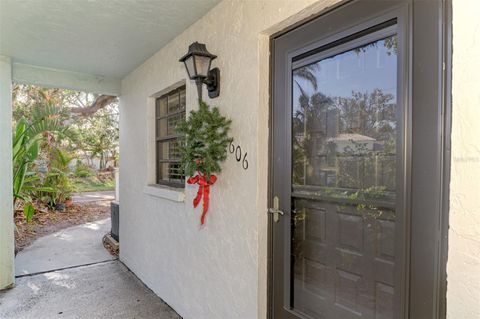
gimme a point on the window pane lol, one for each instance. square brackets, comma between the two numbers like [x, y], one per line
[183, 102]
[162, 127]
[173, 102]
[175, 172]
[163, 171]
[170, 172]
[161, 107]
[159, 156]
[162, 150]
[172, 123]
[174, 149]
[169, 150]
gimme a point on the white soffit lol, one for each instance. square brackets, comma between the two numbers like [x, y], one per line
[104, 38]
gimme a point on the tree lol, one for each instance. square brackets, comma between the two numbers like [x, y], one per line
[98, 135]
[99, 102]
[27, 97]
[317, 118]
[370, 113]
[93, 118]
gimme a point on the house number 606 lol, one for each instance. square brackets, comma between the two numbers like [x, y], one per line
[238, 154]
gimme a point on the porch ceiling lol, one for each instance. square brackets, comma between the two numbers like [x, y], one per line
[106, 38]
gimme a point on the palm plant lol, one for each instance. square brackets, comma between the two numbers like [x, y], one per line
[58, 177]
[26, 145]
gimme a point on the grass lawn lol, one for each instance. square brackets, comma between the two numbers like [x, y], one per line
[92, 183]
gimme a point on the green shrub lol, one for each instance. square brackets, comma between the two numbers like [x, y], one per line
[82, 170]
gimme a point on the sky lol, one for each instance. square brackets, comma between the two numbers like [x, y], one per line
[365, 70]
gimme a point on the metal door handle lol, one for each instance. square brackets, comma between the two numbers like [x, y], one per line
[275, 210]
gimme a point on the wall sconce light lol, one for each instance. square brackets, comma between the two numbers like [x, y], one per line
[197, 62]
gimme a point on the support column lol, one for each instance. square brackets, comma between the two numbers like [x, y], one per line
[7, 269]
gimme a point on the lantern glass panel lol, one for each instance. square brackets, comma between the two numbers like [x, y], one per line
[190, 67]
[203, 65]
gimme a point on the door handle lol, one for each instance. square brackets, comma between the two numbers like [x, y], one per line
[275, 210]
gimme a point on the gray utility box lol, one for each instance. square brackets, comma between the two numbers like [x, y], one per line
[115, 214]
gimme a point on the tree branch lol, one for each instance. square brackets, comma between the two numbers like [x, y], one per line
[100, 102]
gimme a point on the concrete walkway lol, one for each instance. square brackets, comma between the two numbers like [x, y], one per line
[69, 274]
[104, 290]
[86, 197]
[74, 246]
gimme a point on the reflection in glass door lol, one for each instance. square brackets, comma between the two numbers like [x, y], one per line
[344, 157]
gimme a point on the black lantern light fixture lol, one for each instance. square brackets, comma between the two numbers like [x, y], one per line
[197, 62]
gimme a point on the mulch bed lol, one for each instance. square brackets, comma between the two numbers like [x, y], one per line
[47, 221]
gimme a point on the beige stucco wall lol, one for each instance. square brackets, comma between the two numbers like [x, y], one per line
[463, 267]
[218, 271]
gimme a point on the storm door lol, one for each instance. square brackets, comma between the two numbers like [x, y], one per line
[340, 205]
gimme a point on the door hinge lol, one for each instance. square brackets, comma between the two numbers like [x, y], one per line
[275, 210]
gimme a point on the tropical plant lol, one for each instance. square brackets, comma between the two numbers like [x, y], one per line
[55, 176]
[26, 145]
[58, 177]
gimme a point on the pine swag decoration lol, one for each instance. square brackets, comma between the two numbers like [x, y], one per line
[204, 148]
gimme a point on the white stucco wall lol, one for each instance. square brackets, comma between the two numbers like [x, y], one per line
[218, 271]
[463, 267]
[6, 175]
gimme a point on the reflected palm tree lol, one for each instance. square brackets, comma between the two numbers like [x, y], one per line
[307, 73]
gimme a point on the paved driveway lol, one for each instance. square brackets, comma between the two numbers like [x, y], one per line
[70, 275]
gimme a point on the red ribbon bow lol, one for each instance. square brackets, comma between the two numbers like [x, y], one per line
[203, 190]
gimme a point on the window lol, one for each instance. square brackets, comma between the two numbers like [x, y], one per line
[169, 111]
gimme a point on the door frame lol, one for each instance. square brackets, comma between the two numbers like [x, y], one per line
[425, 295]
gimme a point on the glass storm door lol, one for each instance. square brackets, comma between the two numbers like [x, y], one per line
[341, 237]
[344, 133]
[356, 171]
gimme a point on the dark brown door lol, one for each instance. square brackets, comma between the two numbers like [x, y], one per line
[341, 166]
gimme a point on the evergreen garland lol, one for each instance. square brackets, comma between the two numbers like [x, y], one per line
[205, 140]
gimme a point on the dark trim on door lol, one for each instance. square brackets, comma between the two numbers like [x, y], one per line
[447, 128]
[270, 183]
[431, 74]
[434, 301]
